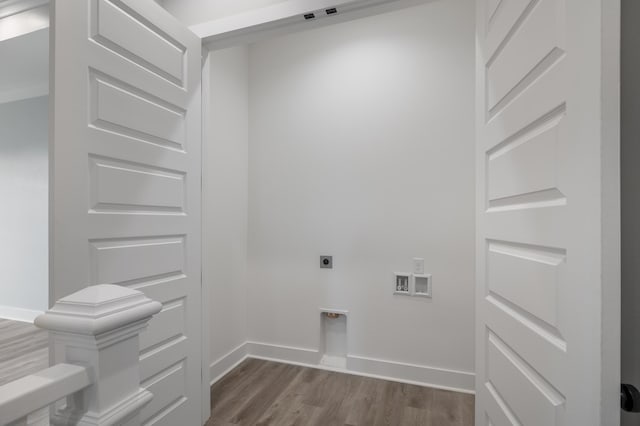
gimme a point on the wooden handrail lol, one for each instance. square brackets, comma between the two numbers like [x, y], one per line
[31, 393]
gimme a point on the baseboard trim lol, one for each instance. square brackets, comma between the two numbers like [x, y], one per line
[281, 352]
[223, 365]
[18, 314]
[420, 375]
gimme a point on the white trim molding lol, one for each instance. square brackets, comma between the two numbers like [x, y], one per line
[421, 375]
[205, 303]
[283, 353]
[287, 17]
[19, 314]
[223, 365]
[269, 16]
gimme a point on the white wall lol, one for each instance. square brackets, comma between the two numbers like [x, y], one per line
[225, 201]
[24, 75]
[24, 216]
[362, 147]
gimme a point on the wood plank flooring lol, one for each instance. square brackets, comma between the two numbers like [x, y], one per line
[24, 350]
[267, 393]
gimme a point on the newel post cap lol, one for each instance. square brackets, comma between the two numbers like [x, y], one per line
[98, 309]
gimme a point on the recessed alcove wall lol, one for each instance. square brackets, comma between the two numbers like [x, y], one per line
[361, 146]
[358, 143]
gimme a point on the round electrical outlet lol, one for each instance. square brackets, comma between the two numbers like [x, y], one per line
[326, 262]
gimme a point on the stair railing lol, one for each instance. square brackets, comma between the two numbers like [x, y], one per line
[95, 336]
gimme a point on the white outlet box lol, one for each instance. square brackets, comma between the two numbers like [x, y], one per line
[418, 265]
[422, 284]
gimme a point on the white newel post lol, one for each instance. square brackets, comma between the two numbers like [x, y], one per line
[98, 327]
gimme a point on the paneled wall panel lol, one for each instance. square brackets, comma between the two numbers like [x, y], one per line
[126, 180]
[118, 27]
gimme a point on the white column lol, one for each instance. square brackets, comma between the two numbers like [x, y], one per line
[98, 327]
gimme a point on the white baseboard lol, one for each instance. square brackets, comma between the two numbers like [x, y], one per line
[286, 353]
[18, 314]
[219, 368]
[421, 375]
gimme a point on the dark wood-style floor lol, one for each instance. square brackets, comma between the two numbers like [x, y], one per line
[268, 393]
[24, 350]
